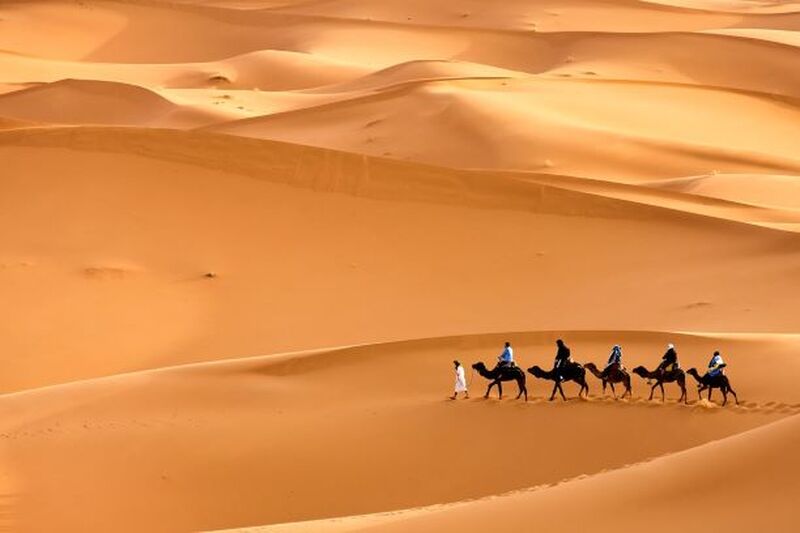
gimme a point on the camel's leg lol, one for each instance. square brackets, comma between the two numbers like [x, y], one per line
[652, 390]
[613, 390]
[724, 396]
[704, 388]
[522, 389]
[661, 384]
[555, 388]
[561, 391]
[730, 389]
[489, 390]
[499, 390]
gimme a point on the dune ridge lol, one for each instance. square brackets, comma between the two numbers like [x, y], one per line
[96, 102]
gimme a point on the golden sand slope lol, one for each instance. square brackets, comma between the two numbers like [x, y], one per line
[200, 200]
[351, 431]
[97, 102]
[741, 471]
[110, 233]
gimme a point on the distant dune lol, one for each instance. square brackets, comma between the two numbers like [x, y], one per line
[95, 102]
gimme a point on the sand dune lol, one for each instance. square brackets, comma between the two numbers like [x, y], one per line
[6, 123]
[261, 69]
[765, 190]
[692, 196]
[97, 102]
[542, 120]
[519, 15]
[115, 258]
[241, 242]
[629, 498]
[245, 435]
[786, 37]
[733, 6]
[417, 71]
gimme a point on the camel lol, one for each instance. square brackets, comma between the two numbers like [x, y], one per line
[720, 381]
[617, 374]
[676, 375]
[571, 372]
[499, 374]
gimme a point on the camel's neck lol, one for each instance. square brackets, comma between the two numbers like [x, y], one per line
[548, 374]
[486, 373]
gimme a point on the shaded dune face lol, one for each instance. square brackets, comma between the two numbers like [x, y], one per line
[86, 102]
[242, 241]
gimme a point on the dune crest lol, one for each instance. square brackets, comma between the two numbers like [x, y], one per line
[96, 102]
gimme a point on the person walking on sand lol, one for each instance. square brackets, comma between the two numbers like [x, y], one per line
[461, 381]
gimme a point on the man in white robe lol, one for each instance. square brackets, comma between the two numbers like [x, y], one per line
[461, 381]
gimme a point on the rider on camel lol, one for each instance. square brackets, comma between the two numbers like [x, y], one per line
[669, 361]
[562, 358]
[507, 357]
[715, 366]
[614, 361]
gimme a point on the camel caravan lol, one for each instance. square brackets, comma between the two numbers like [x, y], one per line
[614, 373]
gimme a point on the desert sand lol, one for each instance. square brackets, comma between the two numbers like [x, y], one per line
[242, 241]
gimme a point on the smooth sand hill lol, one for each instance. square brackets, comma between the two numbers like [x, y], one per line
[124, 225]
[340, 432]
[97, 102]
[261, 69]
[764, 190]
[748, 472]
[554, 126]
[241, 242]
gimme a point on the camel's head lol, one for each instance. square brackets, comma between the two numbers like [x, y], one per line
[693, 372]
[590, 366]
[479, 366]
[640, 371]
[536, 371]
